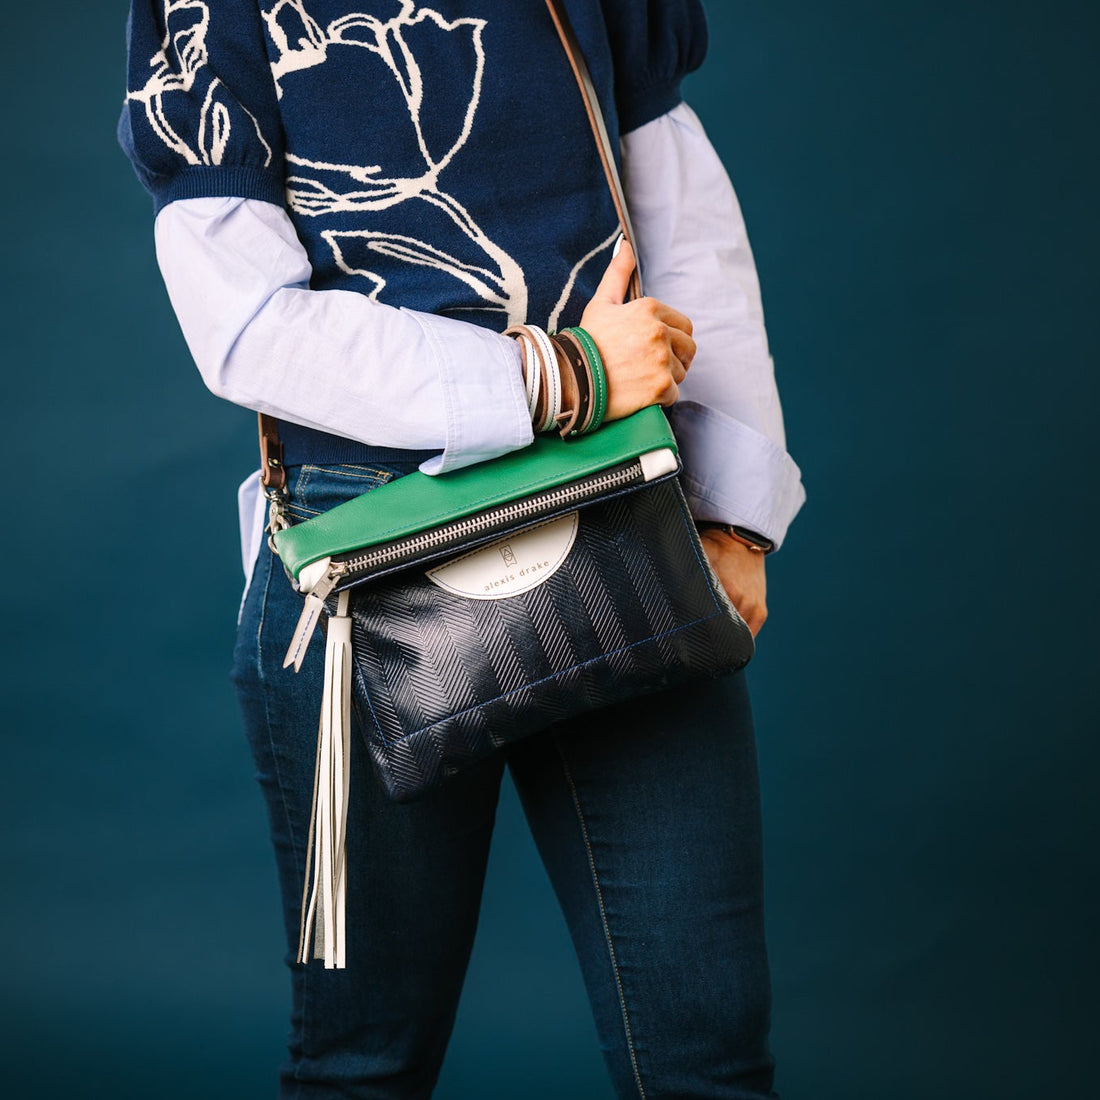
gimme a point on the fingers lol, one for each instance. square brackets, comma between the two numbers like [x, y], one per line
[753, 611]
[616, 279]
[676, 329]
[646, 345]
[741, 573]
[670, 395]
[672, 317]
[683, 347]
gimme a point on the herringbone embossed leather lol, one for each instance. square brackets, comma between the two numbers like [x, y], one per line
[442, 681]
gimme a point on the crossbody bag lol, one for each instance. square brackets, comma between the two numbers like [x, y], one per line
[467, 610]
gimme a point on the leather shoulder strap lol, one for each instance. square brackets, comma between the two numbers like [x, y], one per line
[599, 128]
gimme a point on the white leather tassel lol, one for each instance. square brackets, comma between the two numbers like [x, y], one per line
[323, 900]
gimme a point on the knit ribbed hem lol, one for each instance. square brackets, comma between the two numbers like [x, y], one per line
[303, 445]
[642, 105]
[221, 182]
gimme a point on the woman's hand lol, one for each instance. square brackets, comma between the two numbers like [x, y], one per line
[645, 345]
[741, 572]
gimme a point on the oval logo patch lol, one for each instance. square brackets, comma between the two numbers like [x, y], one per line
[510, 565]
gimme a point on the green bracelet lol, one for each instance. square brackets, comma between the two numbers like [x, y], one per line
[598, 399]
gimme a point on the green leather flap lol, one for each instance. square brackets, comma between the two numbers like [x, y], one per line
[417, 502]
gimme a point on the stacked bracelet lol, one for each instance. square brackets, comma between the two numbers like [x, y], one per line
[541, 376]
[572, 357]
[548, 360]
[532, 373]
[583, 358]
[596, 376]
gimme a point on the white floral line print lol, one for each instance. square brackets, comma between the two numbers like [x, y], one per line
[187, 23]
[567, 290]
[412, 251]
[302, 43]
[502, 284]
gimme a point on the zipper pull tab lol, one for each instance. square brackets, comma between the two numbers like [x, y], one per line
[315, 602]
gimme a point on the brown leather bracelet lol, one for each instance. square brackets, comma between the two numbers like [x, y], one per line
[575, 419]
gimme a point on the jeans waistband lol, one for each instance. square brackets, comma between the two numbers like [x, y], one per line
[303, 445]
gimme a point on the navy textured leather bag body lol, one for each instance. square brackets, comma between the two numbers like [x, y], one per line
[611, 600]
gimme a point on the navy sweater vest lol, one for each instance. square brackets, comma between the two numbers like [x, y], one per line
[435, 156]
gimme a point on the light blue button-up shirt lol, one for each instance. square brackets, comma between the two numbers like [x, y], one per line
[238, 279]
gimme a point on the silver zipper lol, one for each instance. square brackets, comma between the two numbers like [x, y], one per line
[532, 507]
[342, 569]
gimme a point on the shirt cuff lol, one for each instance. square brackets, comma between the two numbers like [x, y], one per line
[485, 404]
[733, 474]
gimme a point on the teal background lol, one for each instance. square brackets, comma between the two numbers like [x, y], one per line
[919, 181]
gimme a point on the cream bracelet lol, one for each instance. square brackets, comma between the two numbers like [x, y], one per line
[553, 378]
[533, 373]
[542, 367]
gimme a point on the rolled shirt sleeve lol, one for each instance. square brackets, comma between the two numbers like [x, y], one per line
[238, 280]
[695, 255]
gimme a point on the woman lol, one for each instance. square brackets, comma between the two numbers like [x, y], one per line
[355, 198]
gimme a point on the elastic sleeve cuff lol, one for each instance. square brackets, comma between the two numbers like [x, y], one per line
[733, 474]
[642, 105]
[205, 182]
[485, 404]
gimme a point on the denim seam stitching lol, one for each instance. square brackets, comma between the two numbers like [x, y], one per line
[267, 718]
[356, 473]
[603, 917]
[304, 971]
[303, 479]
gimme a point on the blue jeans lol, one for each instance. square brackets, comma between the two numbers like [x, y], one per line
[646, 817]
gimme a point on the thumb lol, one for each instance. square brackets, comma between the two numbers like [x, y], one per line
[616, 279]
